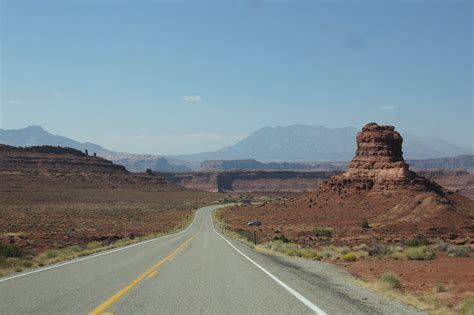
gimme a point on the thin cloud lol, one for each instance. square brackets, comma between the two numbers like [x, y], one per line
[57, 94]
[389, 107]
[192, 99]
[13, 101]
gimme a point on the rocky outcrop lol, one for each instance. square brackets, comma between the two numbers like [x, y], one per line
[66, 166]
[378, 163]
[249, 181]
[379, 188]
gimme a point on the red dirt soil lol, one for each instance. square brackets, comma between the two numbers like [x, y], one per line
[457, 274]
[56, 197]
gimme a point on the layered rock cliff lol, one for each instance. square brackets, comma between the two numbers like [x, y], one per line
[378, 163]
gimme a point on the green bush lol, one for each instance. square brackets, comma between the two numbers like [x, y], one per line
[391, 280]
[467, 307]
[365, 224]
[350, 256]
[10, 250]
[418, 253]
[458, 251]
[323, 232]
[418, 240]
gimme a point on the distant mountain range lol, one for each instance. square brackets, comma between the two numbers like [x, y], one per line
[35, 135]
[296, 143]
[318, 143]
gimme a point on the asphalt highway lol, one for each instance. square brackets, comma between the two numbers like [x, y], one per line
[196, 271]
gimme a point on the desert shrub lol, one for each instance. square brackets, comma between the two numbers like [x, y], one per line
[442, 246]
[328, 253]
[381, 251]
[344, 250]
[10, 250]
[18, 269]
[397, 255]
[3, 262]
[365, 224]
[323, 232]
[392, 280]
[292, 252]
[281, 238]
[418, 253]
[467, 307]
[51, 253]
[362, 254]
[418, 240]
[93, 245]
[440, 287]
[458, 251]
[75, 248]
[27, 264]
[350, 256]
[311, 254]
[363, 247]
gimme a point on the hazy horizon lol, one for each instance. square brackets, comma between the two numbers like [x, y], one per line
[165, 78]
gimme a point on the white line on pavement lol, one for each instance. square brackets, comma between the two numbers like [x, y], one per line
[301, 298]
[97, 255]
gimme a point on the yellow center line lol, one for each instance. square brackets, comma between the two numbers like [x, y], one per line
[102, 307]
[151, 275]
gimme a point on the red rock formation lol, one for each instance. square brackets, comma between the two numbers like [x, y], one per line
[378, 163]
[378, 187]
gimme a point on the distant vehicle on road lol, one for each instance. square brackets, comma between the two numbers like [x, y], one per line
[254, 223]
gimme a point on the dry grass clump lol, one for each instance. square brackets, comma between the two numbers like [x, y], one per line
[391, 280]
[418, 253]
[467, 308]
[323, 232]
[458, 251]
[289, 249]
[350, 256]
[439, 288]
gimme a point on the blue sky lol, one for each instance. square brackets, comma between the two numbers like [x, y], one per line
[169, 78]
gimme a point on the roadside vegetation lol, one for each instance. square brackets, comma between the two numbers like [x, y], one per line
[14, 259]
[436, 300]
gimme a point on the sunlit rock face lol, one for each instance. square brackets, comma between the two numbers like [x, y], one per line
[378, 163]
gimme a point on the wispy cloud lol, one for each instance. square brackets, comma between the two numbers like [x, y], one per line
[14, 101]
[57, 94]
[389, 107]
[192, 99]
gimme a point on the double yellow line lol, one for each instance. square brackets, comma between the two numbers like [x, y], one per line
[150, 273]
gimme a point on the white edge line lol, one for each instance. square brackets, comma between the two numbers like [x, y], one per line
[100, 254]
[293, 292]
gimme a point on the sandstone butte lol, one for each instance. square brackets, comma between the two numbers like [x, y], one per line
[378, 164]
[378, 187]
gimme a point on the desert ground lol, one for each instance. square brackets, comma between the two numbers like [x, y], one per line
[57, 205]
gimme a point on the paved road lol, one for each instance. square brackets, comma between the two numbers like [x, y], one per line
[194, 271]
